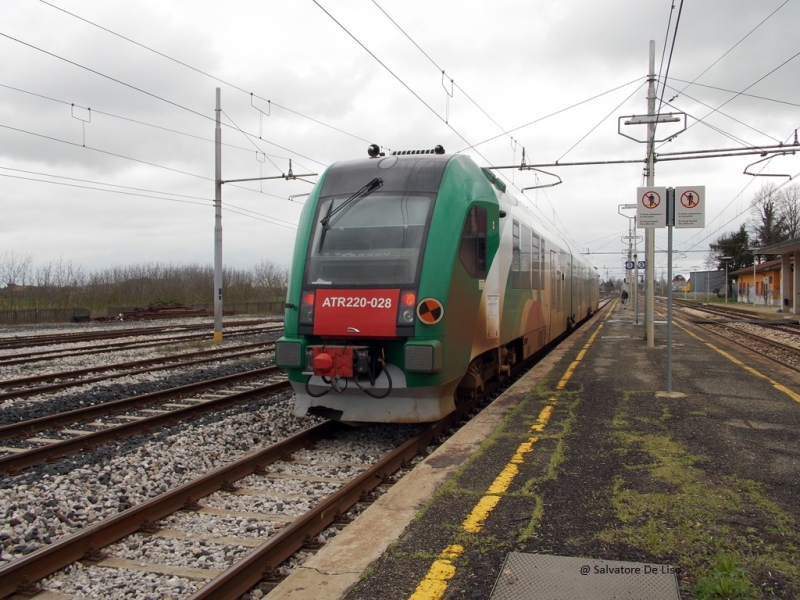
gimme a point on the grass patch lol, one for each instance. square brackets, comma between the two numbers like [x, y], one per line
[727, 537]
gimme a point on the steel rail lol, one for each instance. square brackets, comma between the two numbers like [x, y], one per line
[712, 327]
[124, 365]
[14, 462]
[72, 338]
[29, 357]
[25, 571]
[733, 312]
[31, 426]
[240, 577]
[54, 387]
[746, 334]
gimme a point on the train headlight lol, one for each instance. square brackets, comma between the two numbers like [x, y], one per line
[289, 354]
[424, 357]
[307, 308]
[407, 307]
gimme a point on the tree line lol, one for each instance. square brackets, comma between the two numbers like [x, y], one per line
[774, 218]
[63, 284]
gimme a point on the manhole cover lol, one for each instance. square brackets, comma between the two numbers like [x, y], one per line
[547, 577]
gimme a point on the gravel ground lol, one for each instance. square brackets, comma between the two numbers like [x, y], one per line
[47, 502]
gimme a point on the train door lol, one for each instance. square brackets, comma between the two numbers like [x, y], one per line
[574, 291]
[555, 275]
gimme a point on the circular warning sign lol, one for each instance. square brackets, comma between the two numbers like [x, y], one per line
[430, 311]
[690, 198]
[651, 199]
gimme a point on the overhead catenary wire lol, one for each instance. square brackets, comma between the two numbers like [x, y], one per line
[743, 94]
[124, 187]
[138, 89]
[730, 136]
[200, 71]
[139, 192]
[87, 187]
[433, 62]
[403, 83]
[587, 134]
[137, 160]
[397, 77]
[728, 51]
[669, 62]
[152, 125]
[239, 129]
[558, 112]
[737, 94]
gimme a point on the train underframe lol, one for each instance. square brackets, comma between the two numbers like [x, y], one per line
[367, 389]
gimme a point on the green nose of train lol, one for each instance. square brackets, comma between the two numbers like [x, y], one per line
[417, 279]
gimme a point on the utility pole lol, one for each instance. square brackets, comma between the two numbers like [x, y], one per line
[218, 181]
[218, 225]
[649, 233]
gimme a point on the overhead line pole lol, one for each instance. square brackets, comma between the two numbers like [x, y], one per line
[218, 224]
[218, 182]
[649, 232]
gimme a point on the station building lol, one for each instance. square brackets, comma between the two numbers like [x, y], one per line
[775, 282]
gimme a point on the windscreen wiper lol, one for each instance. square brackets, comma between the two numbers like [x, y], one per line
[325, 221]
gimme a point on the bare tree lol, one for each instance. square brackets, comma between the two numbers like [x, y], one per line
[269, 276]
[767, 224]
[790, 209]
[15, 269]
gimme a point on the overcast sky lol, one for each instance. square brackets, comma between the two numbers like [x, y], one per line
[330, 77]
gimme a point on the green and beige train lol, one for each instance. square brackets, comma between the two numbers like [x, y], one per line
[417, 280]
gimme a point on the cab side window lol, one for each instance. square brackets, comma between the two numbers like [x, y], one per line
[472, 251]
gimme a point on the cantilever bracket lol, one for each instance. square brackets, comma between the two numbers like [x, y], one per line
[746, 172]
[545, 185]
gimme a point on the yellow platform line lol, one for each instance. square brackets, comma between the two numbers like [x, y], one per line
[778, 386]
[436, 580]
[435, 583]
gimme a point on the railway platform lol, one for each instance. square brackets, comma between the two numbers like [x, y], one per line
[587, 479]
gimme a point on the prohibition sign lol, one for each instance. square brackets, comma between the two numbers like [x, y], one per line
[690, 199]
[651, 199]
[430, 311]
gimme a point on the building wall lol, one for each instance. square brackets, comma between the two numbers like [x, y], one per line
[707, 281]
[768, 292]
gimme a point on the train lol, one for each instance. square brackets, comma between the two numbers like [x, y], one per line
[417, 280]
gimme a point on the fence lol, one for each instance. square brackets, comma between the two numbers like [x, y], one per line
[31, 316]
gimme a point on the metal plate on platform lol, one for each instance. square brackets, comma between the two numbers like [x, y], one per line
[548, 577]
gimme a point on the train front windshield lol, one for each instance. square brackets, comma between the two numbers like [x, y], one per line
[376, 240]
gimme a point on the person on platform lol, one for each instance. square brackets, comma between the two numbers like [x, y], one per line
[624, 298]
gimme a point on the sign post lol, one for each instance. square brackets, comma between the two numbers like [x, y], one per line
[659, 207]
[686, 208]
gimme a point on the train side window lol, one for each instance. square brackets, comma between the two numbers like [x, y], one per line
[536, 266]
[472, 251]
[525, 259]
[515, 256]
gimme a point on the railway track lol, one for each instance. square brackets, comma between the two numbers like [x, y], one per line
[128, 417]
[785, 354]
[316, 478]
[27, 341]
[26, 386]
[37, 356]
[778, 341]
